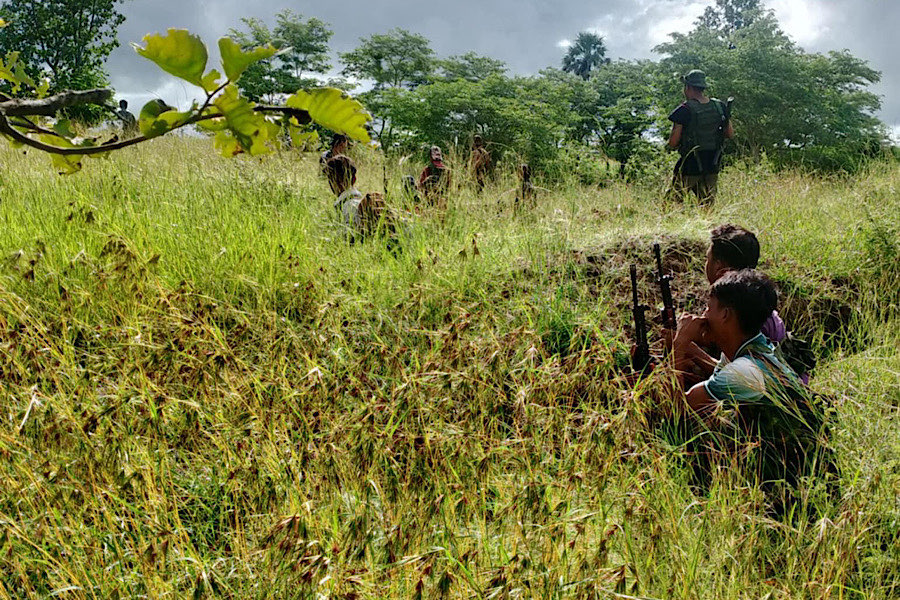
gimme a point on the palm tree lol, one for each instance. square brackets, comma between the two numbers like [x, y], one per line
[587, 52]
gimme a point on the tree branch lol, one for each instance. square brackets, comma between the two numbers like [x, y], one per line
[22, 107]
[49, 106]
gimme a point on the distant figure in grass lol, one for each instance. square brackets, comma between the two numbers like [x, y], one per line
[340, 145]
[527, 193]
[359, 213]
[480, 161]
[752, 397]
[700, 126]
[434, 181]
[129, 123]
[733, 248]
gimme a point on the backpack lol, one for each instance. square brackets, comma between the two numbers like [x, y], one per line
[706, 130]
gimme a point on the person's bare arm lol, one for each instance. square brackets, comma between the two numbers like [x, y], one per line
[699, 399]
[675, 136]
[702, 360]
[729, 130]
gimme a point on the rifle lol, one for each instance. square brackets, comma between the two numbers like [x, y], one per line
[668, 311]
[641, 358]
[725, 119]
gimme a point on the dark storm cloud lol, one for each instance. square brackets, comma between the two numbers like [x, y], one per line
[526, 34]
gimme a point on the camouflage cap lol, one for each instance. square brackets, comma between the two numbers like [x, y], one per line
[695, 78]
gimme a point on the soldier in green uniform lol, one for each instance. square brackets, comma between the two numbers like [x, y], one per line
[700, 126]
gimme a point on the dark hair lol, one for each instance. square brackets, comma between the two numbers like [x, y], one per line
[735, 246]
[340, 170]
[338, 139]
[750, 293]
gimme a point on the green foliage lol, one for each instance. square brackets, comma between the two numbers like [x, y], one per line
[156, 118]
[178, 53]
[235, 60]
[240, 126]
[519, 115]
[335, 110]
[303, 52]
[65, 42]
[624, 114]
[394, 59]
[469, 66]
[586, 53]
[250, 131]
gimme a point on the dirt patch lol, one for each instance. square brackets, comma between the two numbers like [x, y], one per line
[820, 309]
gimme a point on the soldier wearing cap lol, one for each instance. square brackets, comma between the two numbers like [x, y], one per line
[700, 127]
[434, 182]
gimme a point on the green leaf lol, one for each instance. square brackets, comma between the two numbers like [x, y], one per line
[178, 52]
[235, 60]
[158, 118]
[213, 125]
[303, 139]
[251, 130]
[65, 164]
[227, 144]
[64, 128]
[335, 110]
[210, 81]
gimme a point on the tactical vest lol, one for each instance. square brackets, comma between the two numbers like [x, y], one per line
[706, 128]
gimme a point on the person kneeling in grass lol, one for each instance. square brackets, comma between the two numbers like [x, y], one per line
[762, 402]
[732, 248]
[360, 213]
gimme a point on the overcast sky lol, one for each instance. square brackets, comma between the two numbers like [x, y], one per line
[527, 34]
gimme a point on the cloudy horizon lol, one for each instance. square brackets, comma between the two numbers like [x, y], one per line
[527, 35]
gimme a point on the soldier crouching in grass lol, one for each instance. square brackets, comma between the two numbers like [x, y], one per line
[360, 214]
[700, 126]
[755, 406]
[434, 182]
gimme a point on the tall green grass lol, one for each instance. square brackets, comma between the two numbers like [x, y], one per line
[208, 392]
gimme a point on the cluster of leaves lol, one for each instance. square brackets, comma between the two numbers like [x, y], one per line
[239, 125]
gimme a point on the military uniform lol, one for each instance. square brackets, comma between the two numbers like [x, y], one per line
[703, 126]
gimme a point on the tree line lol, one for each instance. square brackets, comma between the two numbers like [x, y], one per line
[791, 106]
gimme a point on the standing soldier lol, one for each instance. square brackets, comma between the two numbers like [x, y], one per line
[700, 127]
[481, 161]
[129, 124]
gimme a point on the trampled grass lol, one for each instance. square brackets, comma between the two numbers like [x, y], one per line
[208, 392]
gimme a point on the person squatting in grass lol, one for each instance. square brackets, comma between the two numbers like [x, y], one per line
[359, 214]
[340, 145]
[480, 162]
[771, 422]
[699, 128]
[732, 248]
[434, 181]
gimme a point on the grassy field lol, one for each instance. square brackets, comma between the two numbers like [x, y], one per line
[209, 393]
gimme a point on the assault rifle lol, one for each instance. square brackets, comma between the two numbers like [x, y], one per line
[641, 358]
[668, 311]
[726, 118]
